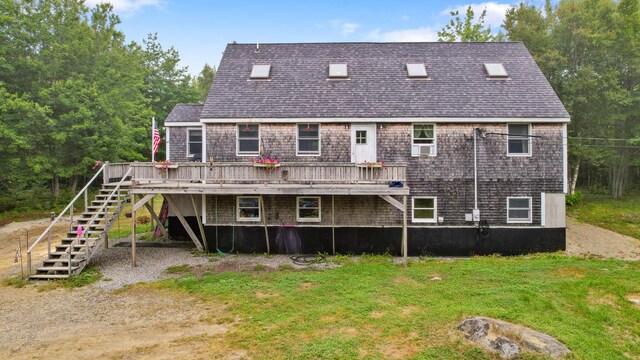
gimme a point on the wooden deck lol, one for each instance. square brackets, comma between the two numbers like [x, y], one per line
[246, 178]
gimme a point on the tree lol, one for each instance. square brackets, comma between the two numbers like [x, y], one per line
[202, 82]
[590, 52]
[466, 31]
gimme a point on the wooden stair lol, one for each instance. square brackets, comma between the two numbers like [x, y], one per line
[73, 253]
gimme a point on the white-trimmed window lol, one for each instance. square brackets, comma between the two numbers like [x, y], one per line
[519, 209]
[425, 209]
[308, 208]
[248, 208]
[519, 143]
[308, 140]
[248, 139]
[194, 142]
[423, 140]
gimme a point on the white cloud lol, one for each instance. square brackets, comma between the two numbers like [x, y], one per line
[345, 28]
[405, 35]
[126, 6]
[495, 12]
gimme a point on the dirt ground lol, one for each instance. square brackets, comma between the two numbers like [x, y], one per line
[144, 323]
[588, 240]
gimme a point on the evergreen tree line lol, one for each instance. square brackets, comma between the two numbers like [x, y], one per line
[589, 50]
[72, 91]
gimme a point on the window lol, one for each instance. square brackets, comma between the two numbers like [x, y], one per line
[308, 139]
[361, 137]
[496, 71]
[248, 139]
[248, 208]
[260, 72]
[194, 142]
[424, 209]
[308, 208]
[423, 140]
[337, 70]
[519, 140]
[416, 71]
[518, 210]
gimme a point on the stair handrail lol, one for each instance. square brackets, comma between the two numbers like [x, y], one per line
[93, 218]
[30, 249]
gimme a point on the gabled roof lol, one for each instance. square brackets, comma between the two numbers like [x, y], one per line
[184, 113]
[377, 85]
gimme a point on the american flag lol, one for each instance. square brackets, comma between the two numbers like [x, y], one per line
[156, 138]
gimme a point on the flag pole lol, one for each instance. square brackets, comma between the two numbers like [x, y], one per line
[153, 128]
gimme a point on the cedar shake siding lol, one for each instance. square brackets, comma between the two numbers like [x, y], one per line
[458, 98]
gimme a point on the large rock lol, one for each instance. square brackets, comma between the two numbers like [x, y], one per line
[507, 339]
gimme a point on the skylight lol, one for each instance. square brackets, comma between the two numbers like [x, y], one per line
[260, 72]
[496, 70]
[337, 70]
[416, 70]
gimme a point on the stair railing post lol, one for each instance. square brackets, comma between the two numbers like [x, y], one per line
[28, 264]
[69, 251]
[105, 173]
[71, 214]
[86, 200]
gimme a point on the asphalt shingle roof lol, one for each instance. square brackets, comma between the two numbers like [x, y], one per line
[184, 113]
[378, 84]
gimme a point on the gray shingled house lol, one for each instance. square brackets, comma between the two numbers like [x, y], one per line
[445, 148]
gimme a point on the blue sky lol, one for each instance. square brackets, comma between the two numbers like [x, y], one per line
[200, 29]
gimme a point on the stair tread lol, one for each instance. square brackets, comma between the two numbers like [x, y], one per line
[63, 260]
[47, 276]
[58, 268]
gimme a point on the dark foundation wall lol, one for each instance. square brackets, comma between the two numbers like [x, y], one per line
[437, 241]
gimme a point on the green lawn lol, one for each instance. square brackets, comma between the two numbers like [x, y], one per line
[621, 216]
[376, 309]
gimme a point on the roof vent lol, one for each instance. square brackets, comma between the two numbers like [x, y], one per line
[416, 70]
[337, 70]
[260, 72]
[496, 70]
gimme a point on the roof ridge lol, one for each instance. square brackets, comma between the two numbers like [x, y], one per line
[379, 42]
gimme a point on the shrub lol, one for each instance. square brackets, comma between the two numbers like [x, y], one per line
[573, 199]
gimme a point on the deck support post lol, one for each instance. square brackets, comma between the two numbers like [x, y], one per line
[404, 229]
[195, 211]
[154, 216]
[333, 224]
[133, 233]
[264, 223]
[153, 228]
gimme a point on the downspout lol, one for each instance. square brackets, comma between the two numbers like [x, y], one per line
[475, 170]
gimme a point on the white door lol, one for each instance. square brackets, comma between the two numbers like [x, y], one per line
[363, 143]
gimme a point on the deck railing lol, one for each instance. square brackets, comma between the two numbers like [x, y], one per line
[246, 173]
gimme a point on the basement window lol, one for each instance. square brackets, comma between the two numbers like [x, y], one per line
[248, 208]
[424, 209]
[518, 210]
[338, 71]
[260, 72]
[308, 140]
[416, 71]
[519, 143]
[496, 71]
[308, 208]
[248, 142]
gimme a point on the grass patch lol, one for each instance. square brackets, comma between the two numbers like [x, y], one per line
[376, 309]
[621, 216]
[15, 281]
[122, 225]
[260, 267]
[178, 269]
[88, 276]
